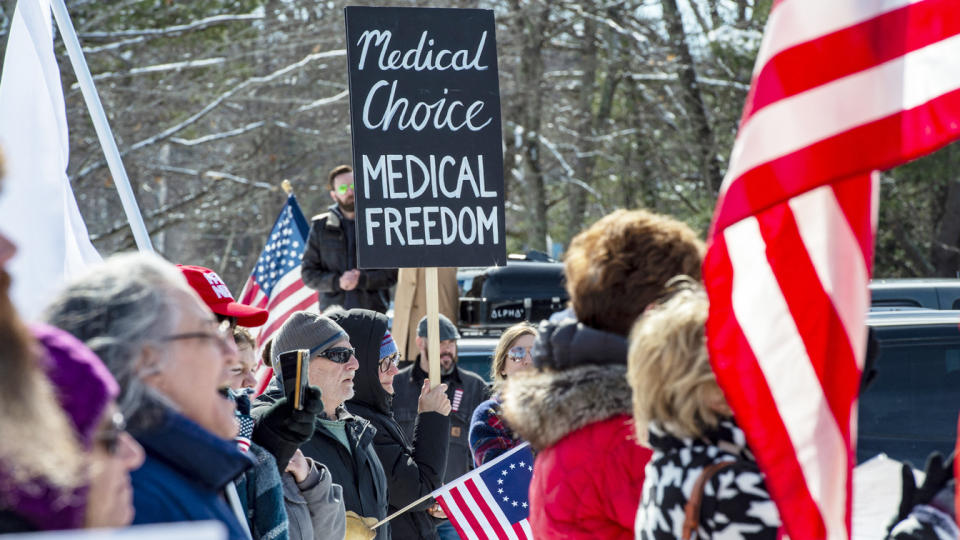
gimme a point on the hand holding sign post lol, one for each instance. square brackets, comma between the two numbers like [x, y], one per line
[427, 142]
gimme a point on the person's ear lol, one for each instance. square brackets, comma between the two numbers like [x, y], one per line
[333, 195]
[149, 366]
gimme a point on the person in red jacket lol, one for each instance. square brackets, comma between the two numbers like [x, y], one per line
[575, 407]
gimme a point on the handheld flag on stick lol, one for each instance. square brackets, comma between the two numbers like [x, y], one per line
[492, 501]
[840, 89]
[275, 283]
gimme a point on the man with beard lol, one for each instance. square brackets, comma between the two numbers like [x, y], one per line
[466, 391]
[330, 259]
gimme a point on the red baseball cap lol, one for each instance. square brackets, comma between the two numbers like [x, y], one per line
[214, 292]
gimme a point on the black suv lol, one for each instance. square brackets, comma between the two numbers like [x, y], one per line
[912, 406]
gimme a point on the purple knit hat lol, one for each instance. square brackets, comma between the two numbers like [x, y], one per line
[84, 388]
[83, 384]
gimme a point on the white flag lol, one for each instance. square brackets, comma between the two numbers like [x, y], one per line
[37, 207]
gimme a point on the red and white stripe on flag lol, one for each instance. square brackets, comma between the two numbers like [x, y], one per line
[477, 513]
[841, 89]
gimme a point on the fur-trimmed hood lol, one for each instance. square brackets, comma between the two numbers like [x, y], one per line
[544, 406]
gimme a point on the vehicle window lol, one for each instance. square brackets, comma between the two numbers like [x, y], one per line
[911, 408]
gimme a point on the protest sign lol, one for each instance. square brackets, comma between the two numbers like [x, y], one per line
[427, 141]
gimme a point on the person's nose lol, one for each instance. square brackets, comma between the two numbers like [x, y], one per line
[353, 364]
[130, 452]
[7, 250]
[249, 380]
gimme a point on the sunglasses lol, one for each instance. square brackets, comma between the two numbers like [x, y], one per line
[342, 189]
[517, 354]
[340, 355]
[387, 361]
[109, 436]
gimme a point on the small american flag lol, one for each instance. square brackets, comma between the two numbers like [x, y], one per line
[275, 282]
[841, 89]
[457, 397]
[492, 501]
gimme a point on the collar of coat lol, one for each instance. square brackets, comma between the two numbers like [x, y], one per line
[727, 436]
[198, 454]
[544, 406]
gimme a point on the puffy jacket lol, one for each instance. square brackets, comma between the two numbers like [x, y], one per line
[466, 391]
[589, 469]
[413, 470]
[184, 473]
[314, 506]
[735, 501]
[325, 260]
[358, 470]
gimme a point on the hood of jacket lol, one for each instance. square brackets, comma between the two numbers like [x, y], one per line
[569, 343]
[544, 406]
[366, 329]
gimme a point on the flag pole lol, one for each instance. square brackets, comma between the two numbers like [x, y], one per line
[287, 188]
[100, 124]
[402, 510]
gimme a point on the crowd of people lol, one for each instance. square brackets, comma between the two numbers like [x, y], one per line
[132, 403]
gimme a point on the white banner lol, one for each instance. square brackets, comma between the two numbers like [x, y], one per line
[37, 207]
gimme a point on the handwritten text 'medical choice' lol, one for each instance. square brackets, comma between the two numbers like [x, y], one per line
[385, 110]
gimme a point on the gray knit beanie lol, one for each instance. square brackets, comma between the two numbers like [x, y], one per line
[306, 330]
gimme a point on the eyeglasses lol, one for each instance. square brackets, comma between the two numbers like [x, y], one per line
[340, 355]
[110, 435]
[342, 189]
[223, 335]
[518, 353]
[387, 361]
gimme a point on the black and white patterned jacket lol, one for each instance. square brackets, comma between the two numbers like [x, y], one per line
[735, 501]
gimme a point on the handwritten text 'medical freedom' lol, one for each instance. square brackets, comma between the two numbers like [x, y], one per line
[383, 109]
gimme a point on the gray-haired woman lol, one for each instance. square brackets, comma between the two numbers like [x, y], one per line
[170, 355]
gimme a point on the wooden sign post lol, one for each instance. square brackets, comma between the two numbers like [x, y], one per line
[427, 143]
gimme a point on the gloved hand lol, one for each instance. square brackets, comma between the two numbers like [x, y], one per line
[359, 527]
[938, 474]
[281, 429]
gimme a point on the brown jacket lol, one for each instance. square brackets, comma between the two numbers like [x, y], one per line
[410, 305]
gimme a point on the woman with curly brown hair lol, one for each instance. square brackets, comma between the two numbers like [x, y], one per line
[574, 408]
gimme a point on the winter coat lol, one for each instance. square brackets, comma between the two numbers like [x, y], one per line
[357, 471]
[735, 501]
[410, 305]
[466, 391]
[314, 506]
[490, 437]
[262, 497]
[259, 489]
[414, 467]
[588, 470]
[185, 472]
[325, 260]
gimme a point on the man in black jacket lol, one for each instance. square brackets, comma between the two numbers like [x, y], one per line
[465, 389]
[330, 259]
[414, 466]
[341, 441]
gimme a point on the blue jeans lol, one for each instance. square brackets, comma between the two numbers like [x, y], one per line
[446, 531]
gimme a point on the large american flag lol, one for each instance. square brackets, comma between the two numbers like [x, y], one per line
[841, 88]
[492, 501]
[275, 282]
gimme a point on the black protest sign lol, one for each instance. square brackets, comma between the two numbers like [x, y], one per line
[427, 143]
